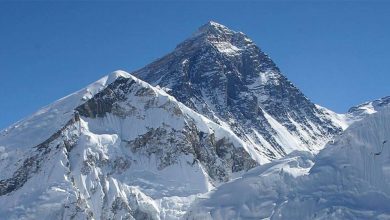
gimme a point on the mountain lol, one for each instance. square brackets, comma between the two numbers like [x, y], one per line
[118, 149]
[198, 121]
[348, 179]
[367, 108]
[224, 76]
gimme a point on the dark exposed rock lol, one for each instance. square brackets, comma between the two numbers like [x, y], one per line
[121, 206]
[103, 102]
[219, 157]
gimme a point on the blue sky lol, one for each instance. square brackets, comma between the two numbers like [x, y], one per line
[337, 53]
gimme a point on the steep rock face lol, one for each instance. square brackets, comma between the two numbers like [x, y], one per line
[128, 150]
[223, 75]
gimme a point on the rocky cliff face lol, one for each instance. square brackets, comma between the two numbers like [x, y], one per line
[223, 75]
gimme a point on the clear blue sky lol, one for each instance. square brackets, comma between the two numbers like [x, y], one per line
[336, 52]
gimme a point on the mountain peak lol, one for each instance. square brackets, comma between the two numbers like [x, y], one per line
[227, 41]
[223, 75]
[213, 29]
[214, 26]
[367, 108]
[116, 74]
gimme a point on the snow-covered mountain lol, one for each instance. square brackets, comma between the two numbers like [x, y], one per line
[349, 179]
[368, 108]
[224, 76]
[118, 149]
[123, 148]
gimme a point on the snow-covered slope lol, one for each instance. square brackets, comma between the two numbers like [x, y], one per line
[349, 180]
[223, 75]
[17, 140]
[367, 108]
[340, 120]
[118, 149]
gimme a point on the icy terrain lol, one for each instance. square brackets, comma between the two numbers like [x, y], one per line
[349, 180]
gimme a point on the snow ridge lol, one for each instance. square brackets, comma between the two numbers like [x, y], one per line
[370, 107]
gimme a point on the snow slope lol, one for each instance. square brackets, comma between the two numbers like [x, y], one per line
[17, 140]
[369, 107]
[122, 149]
[347, 181]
